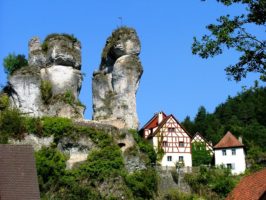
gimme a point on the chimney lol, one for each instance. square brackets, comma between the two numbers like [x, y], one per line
[160, 117]
[240, 139]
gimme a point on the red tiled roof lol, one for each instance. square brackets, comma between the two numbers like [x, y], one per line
[153, 122]
[252, 187]
[163, 122]
[18, 175]
[229, 140]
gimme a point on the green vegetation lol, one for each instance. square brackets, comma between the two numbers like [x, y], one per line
[175, 194]
[243, 115]
[46, 91]
[122, 32]
[143, 183]
[213, 183]
[200, 155]
[14, 62]
[69, 97]
[4, 101]
[104, 166]
[234, 33]
[145, 147]
[70, 37]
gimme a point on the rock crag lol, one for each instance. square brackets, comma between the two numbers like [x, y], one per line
[115, 84]
[50, 84]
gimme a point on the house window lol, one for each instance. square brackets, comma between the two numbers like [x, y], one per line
[224, 152]
[233, 151]
[229, 165]
[169, 158]
[181, 144]
[171, 129]
[165, 144]
[181, 158]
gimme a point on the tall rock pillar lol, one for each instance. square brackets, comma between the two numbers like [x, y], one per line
[116, 82]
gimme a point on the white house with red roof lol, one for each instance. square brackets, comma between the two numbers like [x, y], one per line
[230, 152]
[167, 133]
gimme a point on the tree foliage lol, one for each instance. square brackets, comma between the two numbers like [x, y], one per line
[13, 62]
[213, 183]
[232, 33]
[200, 155]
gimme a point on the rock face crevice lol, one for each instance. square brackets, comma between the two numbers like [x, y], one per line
[57, 62]
[115, 84]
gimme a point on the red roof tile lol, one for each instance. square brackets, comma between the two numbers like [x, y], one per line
[153, 122]
[18, 175]
[252, 187]
[229, 140]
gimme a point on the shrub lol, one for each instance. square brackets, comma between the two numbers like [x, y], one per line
[69, 97]
[103, 163]
[144, 147]
[46, 91]
[57, 126]
[175, 194]
[142, 183]
[51, 166]
[211, 183]
[4, 101]
[11, 125]
[34, 125]
[13, 62]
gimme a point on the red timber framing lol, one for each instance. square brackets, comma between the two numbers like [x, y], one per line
[171, 136]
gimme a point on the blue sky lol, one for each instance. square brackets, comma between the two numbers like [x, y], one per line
[174, 80]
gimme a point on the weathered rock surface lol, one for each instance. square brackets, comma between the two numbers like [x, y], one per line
[36, 142]
[57, 62]
[116, 82]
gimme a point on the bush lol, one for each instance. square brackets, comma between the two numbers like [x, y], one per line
[57, 126]
[144, 147]
[13, 62]
[11, 125]
[103, 163]
[51, 166]
[69, 97]
[4, 101]
[46, 91]
[175, 194]
[211, 183]
[143, 183]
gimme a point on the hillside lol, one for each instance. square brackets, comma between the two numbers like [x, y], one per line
[244, 115]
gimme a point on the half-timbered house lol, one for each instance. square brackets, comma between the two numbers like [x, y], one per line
[198, 138]
[167, 134]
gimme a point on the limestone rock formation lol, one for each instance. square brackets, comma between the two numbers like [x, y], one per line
[115, 84]
[51, 83]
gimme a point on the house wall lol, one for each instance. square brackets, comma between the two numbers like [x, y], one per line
[175, 159]
[237, 161]
[172, 138]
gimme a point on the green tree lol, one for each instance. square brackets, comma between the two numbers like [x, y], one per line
[13, 62]
[232, 33]
[200, 155]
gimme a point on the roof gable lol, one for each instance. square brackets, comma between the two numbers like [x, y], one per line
[197, 134]
[252, 187]
[229, 140]
[165, 121]
[153, 122]
[18, 175]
